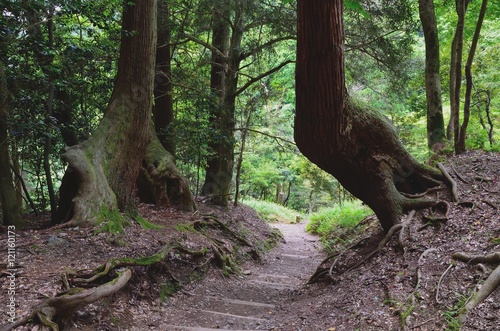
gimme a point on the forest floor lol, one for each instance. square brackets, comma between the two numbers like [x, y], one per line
[412, 283]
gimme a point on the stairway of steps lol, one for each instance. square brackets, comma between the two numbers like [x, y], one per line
[247, 302]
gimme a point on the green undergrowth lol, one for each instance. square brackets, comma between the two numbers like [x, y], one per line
[334, 224]
[272, 212]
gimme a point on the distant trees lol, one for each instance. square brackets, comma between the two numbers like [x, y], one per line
[232, 21]
[456, 130]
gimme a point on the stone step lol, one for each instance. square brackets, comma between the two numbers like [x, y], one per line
[232, 315]
[242, 302]
[295, 256]
[278, 286]
[170, 327]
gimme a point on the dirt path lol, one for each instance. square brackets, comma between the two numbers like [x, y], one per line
[247, 302]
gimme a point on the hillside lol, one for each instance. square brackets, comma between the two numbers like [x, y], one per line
[412, 283]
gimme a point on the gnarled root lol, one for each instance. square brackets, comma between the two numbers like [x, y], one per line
[55, 313]
[489, 285]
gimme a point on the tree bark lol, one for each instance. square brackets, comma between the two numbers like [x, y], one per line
[356, 145]
[461, 7]
[453, 111]
[47, 150]
[9, 207]
[160, 182]
[102, 170]
[435, 121]
[219, 169]
[163, 109]
[468, 77]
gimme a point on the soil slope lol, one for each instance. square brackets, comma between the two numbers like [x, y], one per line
[412, 283]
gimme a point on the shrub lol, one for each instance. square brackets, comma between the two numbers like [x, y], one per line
[347, 215]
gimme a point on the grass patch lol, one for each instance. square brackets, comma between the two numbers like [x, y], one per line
[337, 225]
[273, 212]
[349, 214]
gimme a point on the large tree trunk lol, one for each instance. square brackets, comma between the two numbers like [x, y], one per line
[163, 110]
[102, 171]
[435, 121]
[219, 169]
[160, 182]
[357, 146]
[10, 213]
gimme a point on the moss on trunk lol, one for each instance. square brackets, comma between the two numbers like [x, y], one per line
[160, 182]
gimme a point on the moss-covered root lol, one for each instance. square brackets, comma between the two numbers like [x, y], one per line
[489, 285]
[114, 263]
[56, 313]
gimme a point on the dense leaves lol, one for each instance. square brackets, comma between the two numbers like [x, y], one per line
[70, 48]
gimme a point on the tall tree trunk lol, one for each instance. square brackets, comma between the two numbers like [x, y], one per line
[461, 10]
[102, 170]
[468, 77]
[9, 207]
[454, 112]
[218, 172]
[357, 146]
[163, 109]
[239, 163]
[64, 115]
[435, 121]
[47, 150]
[159, 181]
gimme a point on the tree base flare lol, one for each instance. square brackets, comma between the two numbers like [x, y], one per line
[369, 161]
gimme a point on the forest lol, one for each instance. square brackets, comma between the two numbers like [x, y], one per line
[115, 112]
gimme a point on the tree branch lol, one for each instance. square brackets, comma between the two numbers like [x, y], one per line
[264, 46]
[259, 77]
[205, 44]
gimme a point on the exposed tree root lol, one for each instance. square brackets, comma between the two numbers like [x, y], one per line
[412, 298]
[489, 285]
[321, 272]
[403, 228]
[212, 221]
[438, 288]
[458, 174]
[453, 183]
[420, 195]
[387, 238]
[55, 313]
